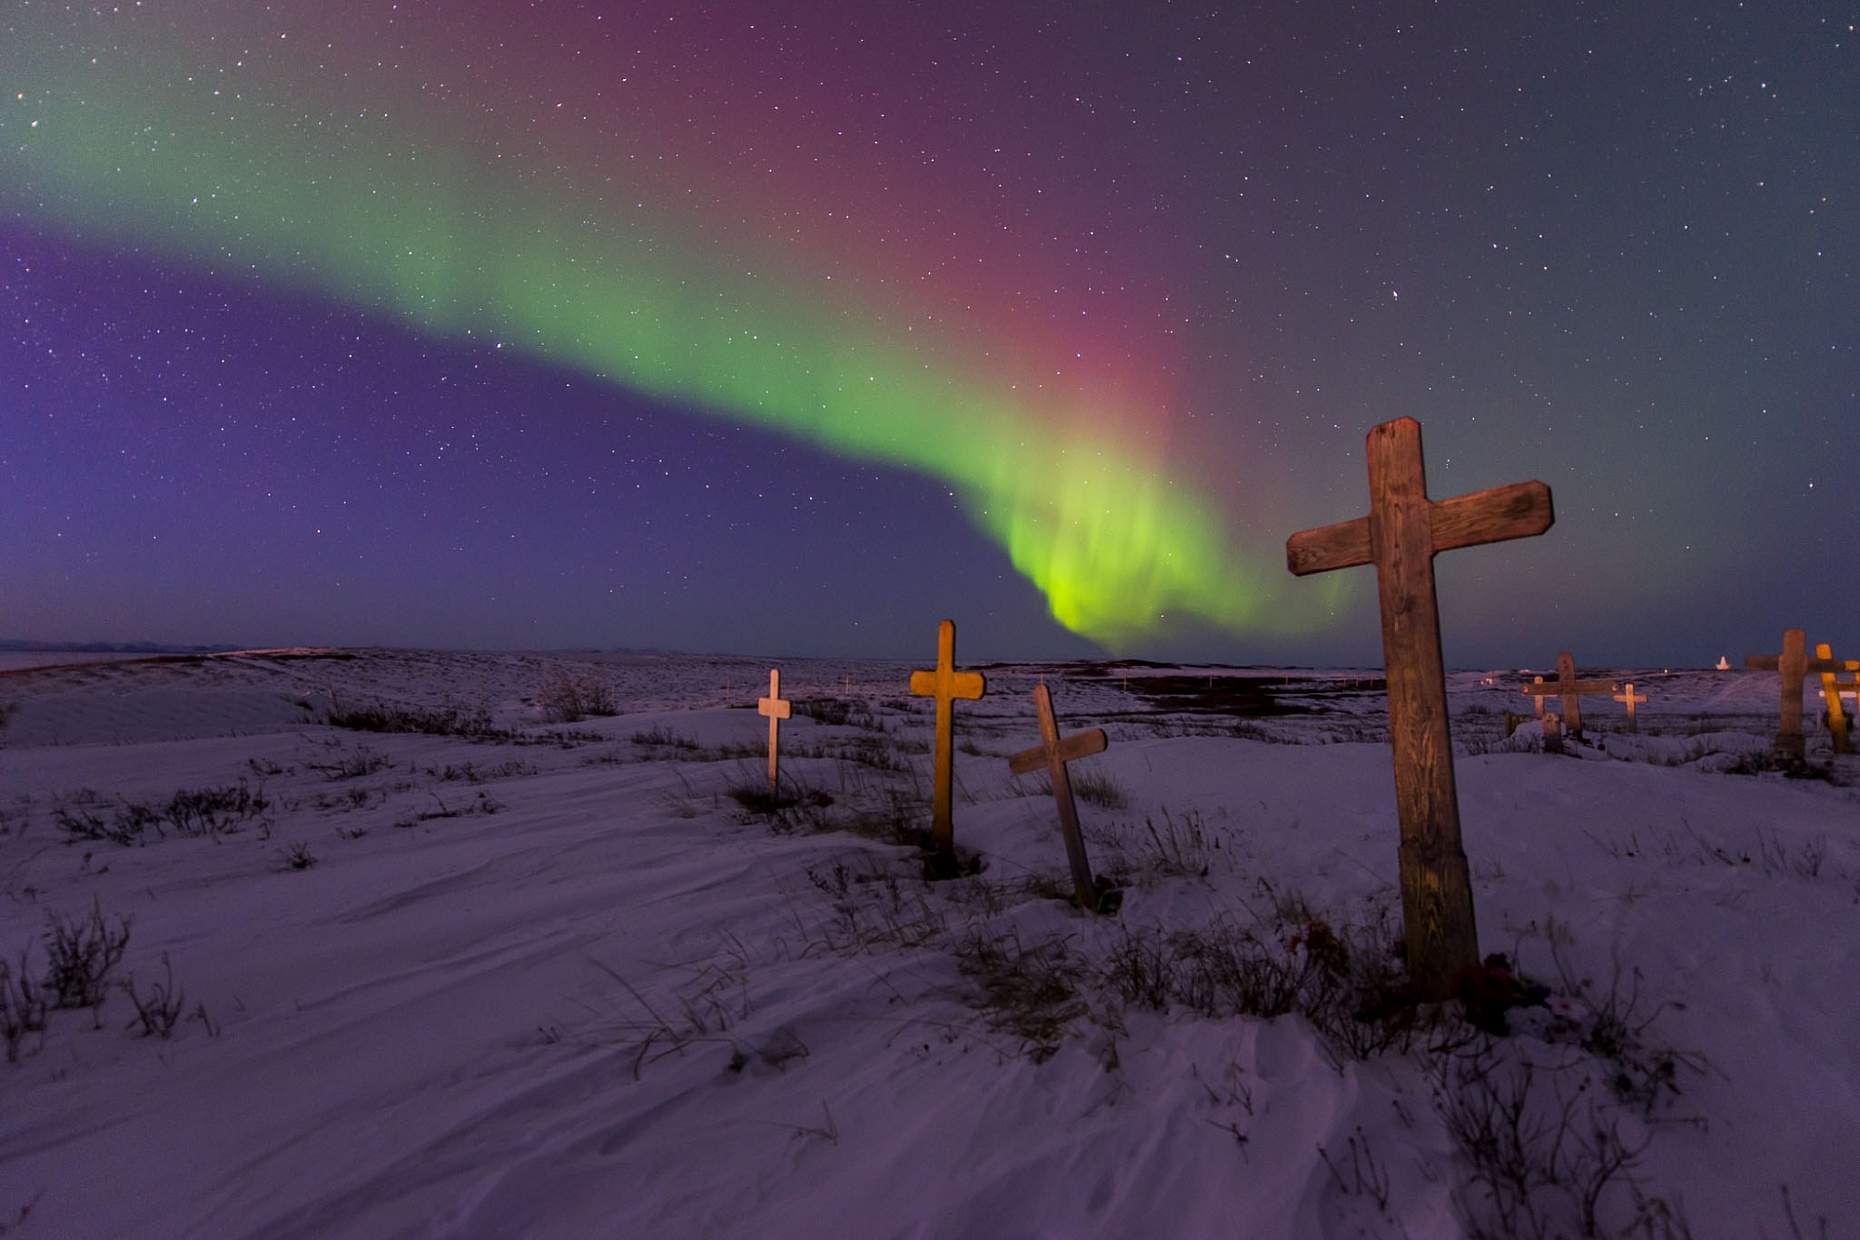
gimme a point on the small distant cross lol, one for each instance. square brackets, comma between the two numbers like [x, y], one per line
[777, 708]
[1053, 753]
[1570, 689]
[1537, 693]
[1631, 699]
[1794, 665]
[945, 684]
[1401, 535]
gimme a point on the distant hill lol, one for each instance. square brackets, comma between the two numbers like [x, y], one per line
[15, 644]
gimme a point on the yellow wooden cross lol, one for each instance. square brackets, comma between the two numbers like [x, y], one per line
[1570, 689]
[1401, 535]
[1631, 700]
[1053, 753]
[1794, 665]
[1831, 694]
[945, 684]
[777, 708]
[1537, 693]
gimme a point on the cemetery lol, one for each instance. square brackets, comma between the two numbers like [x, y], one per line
[1187, 911]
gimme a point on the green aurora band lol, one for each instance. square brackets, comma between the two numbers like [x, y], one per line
[428, 237]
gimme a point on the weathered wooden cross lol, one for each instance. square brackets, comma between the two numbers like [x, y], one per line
[1794, 665]
[1053, 752]
[945, 684]
[1831, 695]
[1401, 535]
[1537, 693]
[777, 708]
[1631, 699]
[1570, 689]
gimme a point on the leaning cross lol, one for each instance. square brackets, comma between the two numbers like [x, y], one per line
[1401, 535]
[1831, 694]
[945, 684]
[1570, 689]
[1794, 664]
[1631, 700]
[777, 708]
[1053, 753]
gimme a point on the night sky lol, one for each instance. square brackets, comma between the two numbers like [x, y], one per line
[790, 328]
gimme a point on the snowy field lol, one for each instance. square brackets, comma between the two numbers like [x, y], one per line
[507, 976]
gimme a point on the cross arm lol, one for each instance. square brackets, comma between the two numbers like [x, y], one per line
[1762, 662]
[1519, 510]
[1078, 745]
[923, 684]
[966, 685]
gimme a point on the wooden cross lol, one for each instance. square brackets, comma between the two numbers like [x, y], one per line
[1570, 689]
[1401, 535]
[1831, 694]
[945, 684]
[1631, 700]
[1537, 693]
[777, 708]
[1053, 753]
[1794, 664]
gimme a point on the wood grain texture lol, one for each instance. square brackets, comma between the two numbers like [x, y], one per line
[1344, 545]
[1437, 908]
[1400, 536]
[1520, 510]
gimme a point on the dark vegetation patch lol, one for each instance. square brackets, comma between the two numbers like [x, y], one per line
[195, 812]
[1254, 696]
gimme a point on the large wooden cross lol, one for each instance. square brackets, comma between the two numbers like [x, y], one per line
[1831, 695]
[1053, 752]
[945, 684]
[1401, 535]
[1794, 665]
[1570, 689]
[777, 708]
[1630, 699]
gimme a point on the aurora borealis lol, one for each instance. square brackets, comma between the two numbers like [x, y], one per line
[1127, 291]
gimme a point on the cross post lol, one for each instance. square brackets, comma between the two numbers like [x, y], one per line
[1401, 535]
[1631, 699]
[1794, 665]
[1831, 695]
[1053, 752]
[777, 708]
[945, 684]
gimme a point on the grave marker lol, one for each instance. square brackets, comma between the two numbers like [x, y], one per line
[945, 684]
[1053, 752]
[1569, 689]
[1631, 700]
[1794, 665]
[1831, 694]
[1537, 693]
[1401, 535]
[777, 708]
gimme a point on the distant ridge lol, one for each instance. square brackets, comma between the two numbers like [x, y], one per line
[21, 645]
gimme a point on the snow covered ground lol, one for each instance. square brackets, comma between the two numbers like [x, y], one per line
[579, 979]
